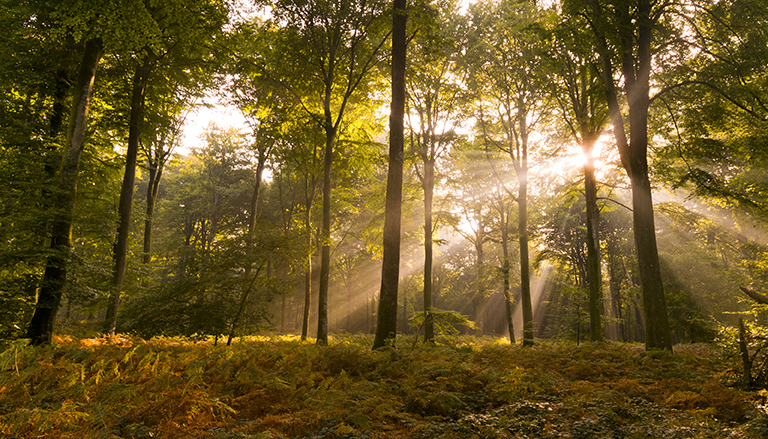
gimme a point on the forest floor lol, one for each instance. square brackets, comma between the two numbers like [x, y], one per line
[280, 387]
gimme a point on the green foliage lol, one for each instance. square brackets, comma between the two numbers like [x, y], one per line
[755, 342]
[446, 322]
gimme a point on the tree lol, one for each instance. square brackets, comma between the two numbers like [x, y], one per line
[712, 96]
[38, 66]
[386, 326]
[507, 58]
[40, 328]
[471, 184]
[343, 42]
[577, 89]
[434, 92]
[624, 31]
[162, 132]
[177, 31]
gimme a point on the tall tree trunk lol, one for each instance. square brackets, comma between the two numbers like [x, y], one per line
[521, 169]
[254, 212]
[525, 276]
[40, 328]
[153, 187]
[325, 250]
[250, 281]
[477, 303]
[429, 188]
[614, 287]
[140, 79]
[308, 197]
[307, 297]
[657, 332]
[508, 301]
[594, 278]
[241, 309]
[386, 326]
[349, 303]
[636, 32]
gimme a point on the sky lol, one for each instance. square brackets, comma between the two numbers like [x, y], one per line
[213, 112]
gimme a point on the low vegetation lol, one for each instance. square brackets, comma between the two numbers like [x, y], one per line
[273, 387]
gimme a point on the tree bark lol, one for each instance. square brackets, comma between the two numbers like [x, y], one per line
[635, 33]
[325, 250]
[525, 276]
[757, 297]
[254, 210]
[153, 186]
[429, 188]
[386, 326]
[594, 278]
[40, 328]
[479, 296]
[140, 79]
[309, 196]
[746, 360]
[508, 301]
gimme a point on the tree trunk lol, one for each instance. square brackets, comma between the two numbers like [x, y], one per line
[657, 332]
[479, 297]
[429, 188]
[40, 328]
[614, 286]
[254, 210]
[386, 327]
[241, 309]
[525, 277]
[249, 280]
[153, 186]
[594, 278]
[508, 302]
[140, 79]
[325, 250]
[746, 360]
[308, 196]
[307, 297]
[635, 35]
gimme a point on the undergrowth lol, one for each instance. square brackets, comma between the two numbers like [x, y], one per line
[271, 387]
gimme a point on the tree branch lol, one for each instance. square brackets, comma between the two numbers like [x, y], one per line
[757, 297]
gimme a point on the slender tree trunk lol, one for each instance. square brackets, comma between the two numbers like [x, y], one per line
[348, 287]
[40, 328]
[249, 280]
[614, 286]
[241, 309]
[594, 278]
[153, 186]
[282, 313]
[479, 273]
[325, 249]
[386, 327]
[307, 297]
[140, 78]
[308, 273]
[525, 276]
[429, 187]
[508, 301]
[254, 213]
[746, 360]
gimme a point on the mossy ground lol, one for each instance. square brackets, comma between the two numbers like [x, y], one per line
[264, 387]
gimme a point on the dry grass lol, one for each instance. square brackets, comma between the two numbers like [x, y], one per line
[263, 387]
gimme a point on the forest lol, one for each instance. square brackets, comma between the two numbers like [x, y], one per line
[451, 183]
